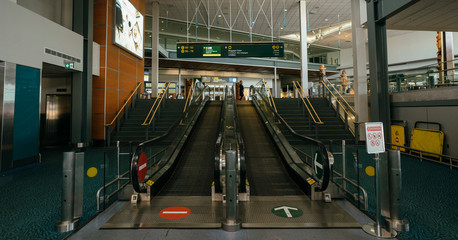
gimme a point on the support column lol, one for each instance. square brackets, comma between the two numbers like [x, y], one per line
[83, 15]
[66, 17]
[359, 63]
[275, 81]
[448, 56]
[179, 82]
[154, 73]
[7, 104]
[378, 62]
[304, 57]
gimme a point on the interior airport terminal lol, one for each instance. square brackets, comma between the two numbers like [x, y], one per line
[228, 119]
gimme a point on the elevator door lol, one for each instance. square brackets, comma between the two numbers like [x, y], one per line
[58, 117]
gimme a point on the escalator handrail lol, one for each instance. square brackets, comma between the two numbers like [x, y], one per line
[139, 149]
[321, 146]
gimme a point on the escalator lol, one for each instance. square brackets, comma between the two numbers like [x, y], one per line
[194, 173]
[265, 170]
[192, 183]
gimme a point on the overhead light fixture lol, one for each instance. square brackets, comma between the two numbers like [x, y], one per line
[286, 10]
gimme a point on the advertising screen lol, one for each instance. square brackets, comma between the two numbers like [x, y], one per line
[128, 23]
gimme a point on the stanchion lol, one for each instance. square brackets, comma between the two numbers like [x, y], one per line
[376, 229]
[72, 191]
[231, 224]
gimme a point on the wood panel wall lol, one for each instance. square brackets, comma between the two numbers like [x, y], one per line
[120, 71]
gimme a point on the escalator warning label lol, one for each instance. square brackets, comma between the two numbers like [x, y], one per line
[311, 181]
[149, 182]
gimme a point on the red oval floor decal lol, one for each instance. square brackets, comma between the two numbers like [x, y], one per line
[174, 212]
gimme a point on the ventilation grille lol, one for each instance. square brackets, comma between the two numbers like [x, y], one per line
[62, 55]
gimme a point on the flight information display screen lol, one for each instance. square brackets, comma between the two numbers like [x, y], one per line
[229, 50]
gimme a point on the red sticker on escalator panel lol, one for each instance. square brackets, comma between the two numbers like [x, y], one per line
[174, 212]
[142, 167]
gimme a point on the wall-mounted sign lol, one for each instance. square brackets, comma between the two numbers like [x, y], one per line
[70, 65]
[128, 22]
[229, 50]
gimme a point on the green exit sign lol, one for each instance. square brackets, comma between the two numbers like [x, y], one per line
[230, 50]
[70, 65]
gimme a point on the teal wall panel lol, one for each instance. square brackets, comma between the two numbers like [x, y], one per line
[26, 113]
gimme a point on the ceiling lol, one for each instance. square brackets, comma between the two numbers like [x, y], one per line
[427, 15]
[322, 14]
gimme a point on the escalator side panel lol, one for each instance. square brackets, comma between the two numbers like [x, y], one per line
[194, 173]
[265, 170]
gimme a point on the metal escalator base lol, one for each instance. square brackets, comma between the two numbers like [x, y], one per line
[316, 214]
[204, 214]
[257, 213]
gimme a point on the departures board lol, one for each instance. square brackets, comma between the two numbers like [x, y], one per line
[229, 50]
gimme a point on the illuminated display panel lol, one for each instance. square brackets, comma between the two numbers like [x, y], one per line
[128, 22]
[229, 50]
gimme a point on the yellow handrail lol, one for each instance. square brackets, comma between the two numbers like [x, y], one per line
[125, 104]
[189, 95]
[271, 98]
[337, 100]
[157, 106]
[296, 84]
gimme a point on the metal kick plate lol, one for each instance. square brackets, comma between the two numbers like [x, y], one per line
[316, 214]
[204, 213]
[257, 213]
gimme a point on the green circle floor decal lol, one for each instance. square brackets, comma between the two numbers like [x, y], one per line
[287, 211]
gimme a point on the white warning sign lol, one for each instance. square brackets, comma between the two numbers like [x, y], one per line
[375, 141]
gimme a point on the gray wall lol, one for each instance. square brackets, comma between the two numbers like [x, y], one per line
[430, 105]
[50, 9]
[25, 35]
[446, 115]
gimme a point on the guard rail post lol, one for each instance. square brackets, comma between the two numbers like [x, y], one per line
[72, 191]
[126, 111]
[108, 135]
[231, 224]
[394, 221]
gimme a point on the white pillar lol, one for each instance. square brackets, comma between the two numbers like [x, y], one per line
[154, 73]
[359, 62]
[304, 57]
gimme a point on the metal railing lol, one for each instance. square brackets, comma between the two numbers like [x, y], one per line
[174, 139]
[155, 109]
[270, 97]
[118, 179]
[189, 96]
[342, 107]
[312, 146]
[313, 114]
[452, 161]
[135, 93]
